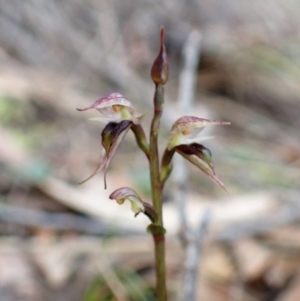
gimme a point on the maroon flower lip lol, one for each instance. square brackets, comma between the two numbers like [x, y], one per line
[112, 136]
[201, 157]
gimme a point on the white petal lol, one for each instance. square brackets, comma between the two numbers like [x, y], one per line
[105, 119]
[197, 139]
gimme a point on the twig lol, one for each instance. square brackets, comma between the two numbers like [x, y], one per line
[191, 240]
[288, 213]
[193, 254]
[59, 221]
[191, 54]
[187, 80]
[112, 279]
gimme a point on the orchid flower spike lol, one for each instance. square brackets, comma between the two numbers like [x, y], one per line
[112, 135]
[186, 129]
[114, 107]
[137, 204]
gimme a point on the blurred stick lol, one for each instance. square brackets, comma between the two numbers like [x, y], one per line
[193, 252]
[286, 215]
[112, 279]
[191, 54]
[59, 221]
[191, 239]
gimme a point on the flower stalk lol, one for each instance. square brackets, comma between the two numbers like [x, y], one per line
[141, 139]
[154, 156]
[166, 165]
[156, 188]
[159, 75]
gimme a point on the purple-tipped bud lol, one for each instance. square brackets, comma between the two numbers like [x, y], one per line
[160, 67]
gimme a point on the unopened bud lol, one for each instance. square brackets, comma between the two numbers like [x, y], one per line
[160, 67]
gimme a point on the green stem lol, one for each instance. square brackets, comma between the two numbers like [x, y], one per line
[156, 187]
[141, 140]
[166, 166]
[160, 268]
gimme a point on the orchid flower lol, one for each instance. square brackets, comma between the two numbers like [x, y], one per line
[184, 140]
[137, 204]
[112, 135]
[120, 114]
[186, 129]
[114, 107]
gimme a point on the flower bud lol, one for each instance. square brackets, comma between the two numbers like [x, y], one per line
[160, 67]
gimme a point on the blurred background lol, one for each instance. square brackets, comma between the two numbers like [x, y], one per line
[61, 241]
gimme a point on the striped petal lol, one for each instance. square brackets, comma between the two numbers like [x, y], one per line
[186, 129]
[114, 107]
